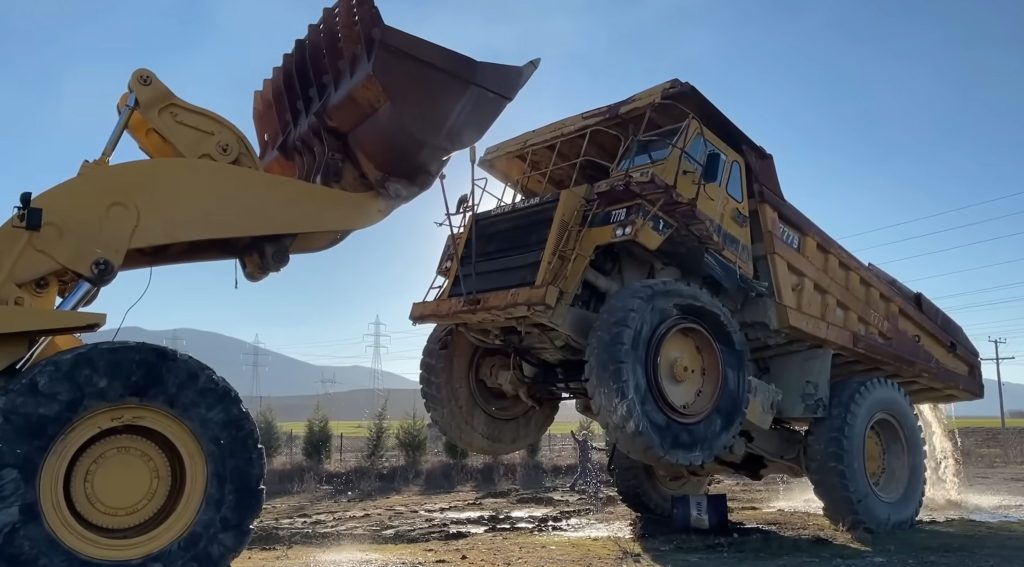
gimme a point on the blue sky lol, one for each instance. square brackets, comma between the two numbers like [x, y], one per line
[876, 112]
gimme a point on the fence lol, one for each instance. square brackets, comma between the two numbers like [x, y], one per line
[347, 450]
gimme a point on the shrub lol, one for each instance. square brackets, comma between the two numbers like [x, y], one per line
[316, 441]
[454, 452]
[585, 425]
[270, 432]
[377, 437]
[411, 439]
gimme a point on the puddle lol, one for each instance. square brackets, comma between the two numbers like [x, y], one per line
[978, 506]
[579, 527]
[457, 515]
[966, 505]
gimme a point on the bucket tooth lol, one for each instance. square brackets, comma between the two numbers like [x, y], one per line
[360, 106]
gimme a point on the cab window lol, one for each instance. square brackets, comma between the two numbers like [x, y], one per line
[735, 186]
[698, 149]
[650, 148]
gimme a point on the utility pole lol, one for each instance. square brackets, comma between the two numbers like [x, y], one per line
[999, 377]
[376, 366]
[253, 358]
[176, 341]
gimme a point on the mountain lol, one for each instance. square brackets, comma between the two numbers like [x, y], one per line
[351, 405]
[1013, 399]
[282, 376]
[354, 405]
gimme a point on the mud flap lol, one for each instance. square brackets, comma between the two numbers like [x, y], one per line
[362, 106]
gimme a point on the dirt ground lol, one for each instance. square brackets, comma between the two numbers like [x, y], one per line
[775, 522]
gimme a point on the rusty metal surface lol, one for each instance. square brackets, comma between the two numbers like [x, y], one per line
[362, 106]
[484, 307]
[508, 159]
[965, 350]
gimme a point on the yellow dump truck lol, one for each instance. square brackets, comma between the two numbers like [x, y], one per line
[643, 260]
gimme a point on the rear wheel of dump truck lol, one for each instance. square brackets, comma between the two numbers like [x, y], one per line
[666, 373]
[648, 491]
[122, 453]
[866, 457]
[461, 387]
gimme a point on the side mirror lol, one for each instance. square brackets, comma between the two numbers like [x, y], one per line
[712, 164]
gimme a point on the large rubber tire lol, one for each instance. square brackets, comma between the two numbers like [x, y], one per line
[38, 404]
[445, 375]
[836, 463]
[643, 492]
[618, 379]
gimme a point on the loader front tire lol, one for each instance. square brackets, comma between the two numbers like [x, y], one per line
[866, 458]
[468, 412]
[121, 453]
[648, 491]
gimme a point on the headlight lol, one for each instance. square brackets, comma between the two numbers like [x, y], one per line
[619, 231]
[629, 229]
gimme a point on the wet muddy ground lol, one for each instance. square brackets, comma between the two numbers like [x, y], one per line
[775, 522]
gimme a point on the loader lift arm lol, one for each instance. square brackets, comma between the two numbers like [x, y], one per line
[338, 155]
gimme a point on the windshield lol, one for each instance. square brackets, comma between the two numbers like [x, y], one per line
[650, 148]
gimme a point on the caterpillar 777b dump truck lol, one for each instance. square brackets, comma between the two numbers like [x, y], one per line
[649, 267]
[118, 453]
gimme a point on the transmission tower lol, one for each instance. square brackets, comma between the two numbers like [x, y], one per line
[325, 381]
[176, 341]
[377, 336]
[253, 357]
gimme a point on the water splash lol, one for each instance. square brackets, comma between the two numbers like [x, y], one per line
[945, 474]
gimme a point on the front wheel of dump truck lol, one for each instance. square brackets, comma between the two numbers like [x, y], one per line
[666, 373]
[648, 491]
[457, 382]
[866, 457]
[121, 453]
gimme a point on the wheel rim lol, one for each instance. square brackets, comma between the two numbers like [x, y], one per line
[484, 372]
[123, 483]
[686, 370]
[886, 458]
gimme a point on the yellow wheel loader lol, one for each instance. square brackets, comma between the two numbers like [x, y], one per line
[119, 453]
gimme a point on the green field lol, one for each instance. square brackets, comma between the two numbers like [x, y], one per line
[986, 422]
[358, 428]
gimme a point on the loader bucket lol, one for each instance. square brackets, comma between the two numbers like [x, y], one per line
[361, 106]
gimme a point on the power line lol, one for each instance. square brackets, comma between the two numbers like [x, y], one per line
[980, 323]
[959, 246]
[965, 270]
[980, 290]
[933, 233]
[985, 303]
[353, 340]
[999, 377]
[933, 215]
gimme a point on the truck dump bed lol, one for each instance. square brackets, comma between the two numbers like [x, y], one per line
[823, 295]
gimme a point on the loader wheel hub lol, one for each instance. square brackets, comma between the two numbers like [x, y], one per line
[120, 482]
[686, 370]
[123, 483]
